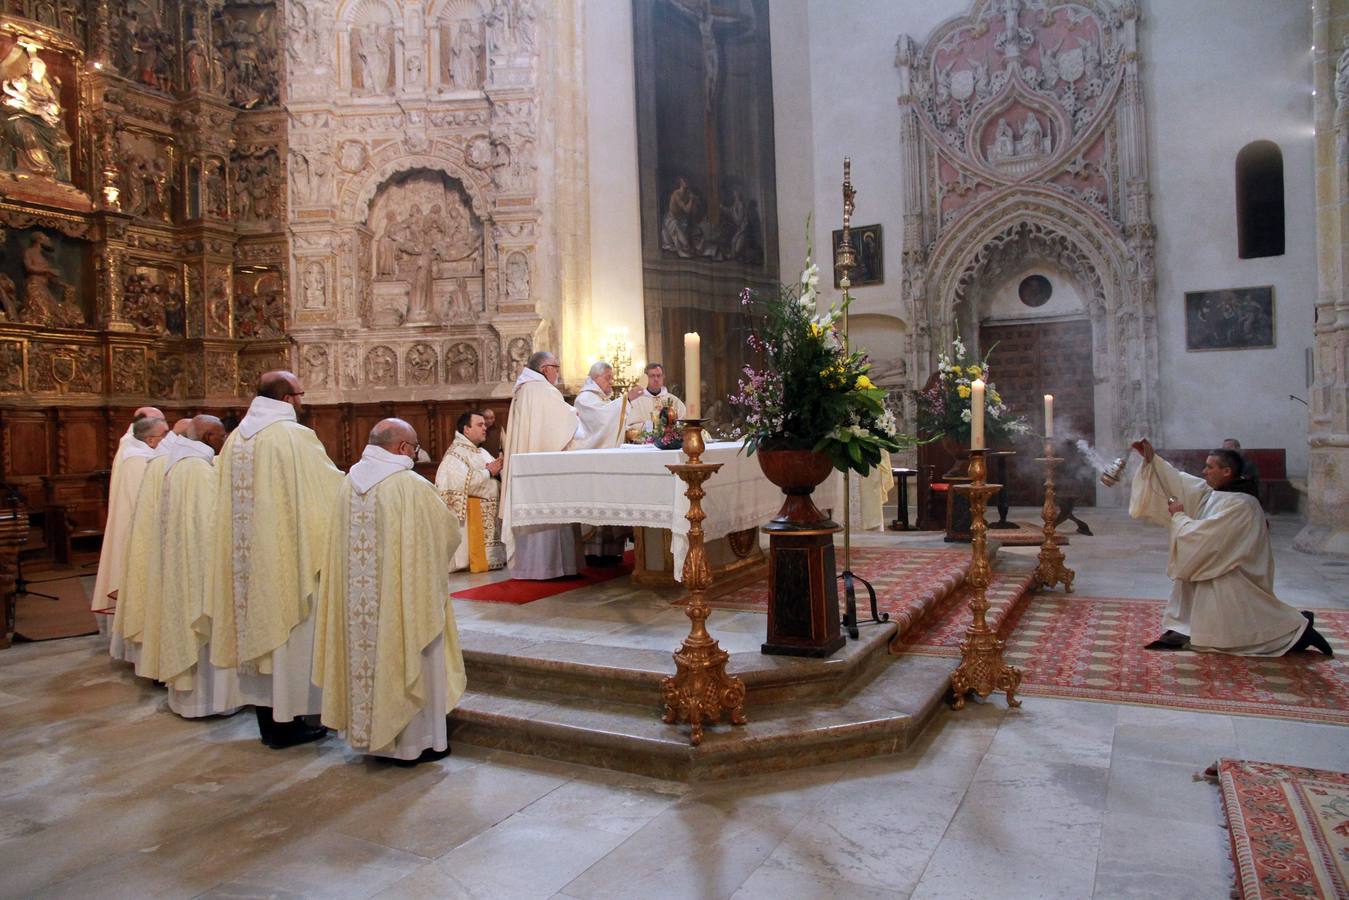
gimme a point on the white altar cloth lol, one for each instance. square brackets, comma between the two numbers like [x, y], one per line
[630, 485]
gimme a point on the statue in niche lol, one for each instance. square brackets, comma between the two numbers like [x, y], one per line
[386, 247]
[313, 174]
[1004, 144]
[517, 277]
[491, 364]
[256, 186]
[381, 367]
[351, 367]
[461, 304]
[462, 364]
[521, 15]
[9, 299]
[33, 136]
[371, 57]
[315, 362]
[421, 364]
[518, 350]
[466, 56]
[315, 286]
[1031, 142]
[250, 77]
[217, 191]
[47, 300]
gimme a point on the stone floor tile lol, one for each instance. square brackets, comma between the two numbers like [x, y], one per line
[1153, 789]
[1145, 857]
[963, 869]
[772, 883]
[1293, 743]
[1067, 731]
[327, 865]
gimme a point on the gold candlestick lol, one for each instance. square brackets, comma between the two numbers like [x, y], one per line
[981, 667]
[700, 688]
[1051, 570]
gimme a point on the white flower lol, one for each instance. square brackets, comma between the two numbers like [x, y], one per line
[959, 347]
[810, 276]
[965, 414]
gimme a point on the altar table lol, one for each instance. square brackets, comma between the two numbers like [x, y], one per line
[630, 486]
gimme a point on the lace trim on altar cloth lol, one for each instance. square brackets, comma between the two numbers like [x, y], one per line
[362, 619]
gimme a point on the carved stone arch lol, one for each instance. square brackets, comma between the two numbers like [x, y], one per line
[456, 9]
[353, 11]
[390, 161]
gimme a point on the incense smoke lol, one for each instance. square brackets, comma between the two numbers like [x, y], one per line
[1098, 462]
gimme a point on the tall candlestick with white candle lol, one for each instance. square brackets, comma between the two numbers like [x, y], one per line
[977, 414]
[693, 375]
[1049, 415]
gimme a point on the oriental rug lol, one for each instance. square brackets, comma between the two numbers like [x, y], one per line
[1289, 828]
[1092, 649]
[908, 583]
[519, 592]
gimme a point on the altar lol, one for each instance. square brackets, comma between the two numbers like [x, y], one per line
[630, 485]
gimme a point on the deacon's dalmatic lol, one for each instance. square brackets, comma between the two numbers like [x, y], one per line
[540, 421]
[386, 650]
[471, 493]
[275, 490]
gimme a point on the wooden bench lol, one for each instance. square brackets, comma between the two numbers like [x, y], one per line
[1276, 491]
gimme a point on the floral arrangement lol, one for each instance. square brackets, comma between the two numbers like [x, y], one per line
[806, 391]
[944, 408]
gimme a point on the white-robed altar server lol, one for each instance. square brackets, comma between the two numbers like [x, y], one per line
[641, 408]
[1221, 561]
[540, 421]
[134, 450]
[600, 421]
[386, 650]
[467, 481]
[273, 511]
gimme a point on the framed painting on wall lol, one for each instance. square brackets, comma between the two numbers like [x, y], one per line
[866, 241]
[1229, 319]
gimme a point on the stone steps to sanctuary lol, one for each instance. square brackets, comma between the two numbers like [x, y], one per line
[884, 715]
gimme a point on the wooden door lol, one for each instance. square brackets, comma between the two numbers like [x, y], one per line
[1027, 362]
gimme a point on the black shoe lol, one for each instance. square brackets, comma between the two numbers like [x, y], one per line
[1311, 637]
[1171, 640]
[293, 734]
[428, 755]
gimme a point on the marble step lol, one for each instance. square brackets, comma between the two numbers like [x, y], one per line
[883, 715]
[631, 675]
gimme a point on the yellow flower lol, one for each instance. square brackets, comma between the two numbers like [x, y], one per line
[975, 371]
[815, 330]
[963, 391]
[863, 383]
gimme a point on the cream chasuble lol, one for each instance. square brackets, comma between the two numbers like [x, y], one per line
[641, 410]
[142, 568]
[1222, 563]
[128, 467]
[600, 421]
[540, 421]
[273, 510]
[386, 649]
[471, 493]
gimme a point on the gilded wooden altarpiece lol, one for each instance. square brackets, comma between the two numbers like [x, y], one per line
[1024, 139]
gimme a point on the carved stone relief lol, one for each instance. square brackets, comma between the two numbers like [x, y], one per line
[152, 300]
[167, 376]
[64, 369]
[421, 365]
[461, 364]
[246, 40]
[128, 370]
[218, 303]
[259, 304]
[381, 367]
[146, 36]
[11, 366]
[257, 186]
[518, 350]
[314, 285]
[314, 367]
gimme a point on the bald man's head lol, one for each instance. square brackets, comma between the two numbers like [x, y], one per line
[147, 412]
[281, 385]
[180, 427]
[395, 436]
[207, 429]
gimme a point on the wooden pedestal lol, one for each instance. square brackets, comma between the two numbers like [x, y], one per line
[803, 615]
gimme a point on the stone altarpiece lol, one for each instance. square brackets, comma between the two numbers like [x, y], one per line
[141, 200]
[1023, 140]
[415, 196]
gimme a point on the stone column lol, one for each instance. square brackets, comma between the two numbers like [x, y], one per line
[1327, 529]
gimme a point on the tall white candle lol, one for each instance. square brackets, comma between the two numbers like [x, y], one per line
[977, 414]
[1049, 415]
[693, 375]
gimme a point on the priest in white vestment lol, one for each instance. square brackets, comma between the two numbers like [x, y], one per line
[386, 650]
[467, 481]
[540, 421]
[134, 451]
[140, 571]
[176, 648]
[642, 408]
[1221, 561]
[275, 494]
[601, 422]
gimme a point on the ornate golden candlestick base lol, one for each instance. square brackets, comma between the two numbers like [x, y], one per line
[1051, 570]
[981, 667]
[700, 689]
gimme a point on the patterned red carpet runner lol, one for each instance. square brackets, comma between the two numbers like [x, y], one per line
[908, 583]
[1289, 828]
[1092, 648]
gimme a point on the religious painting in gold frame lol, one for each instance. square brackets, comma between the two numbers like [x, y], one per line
[867, 244]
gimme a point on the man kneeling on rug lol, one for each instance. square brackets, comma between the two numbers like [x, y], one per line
[1221, 561]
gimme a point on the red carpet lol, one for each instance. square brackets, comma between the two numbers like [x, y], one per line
[1092, 649]
[941, 632]
[908, 583]
[519, 592]
[1289, 828]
